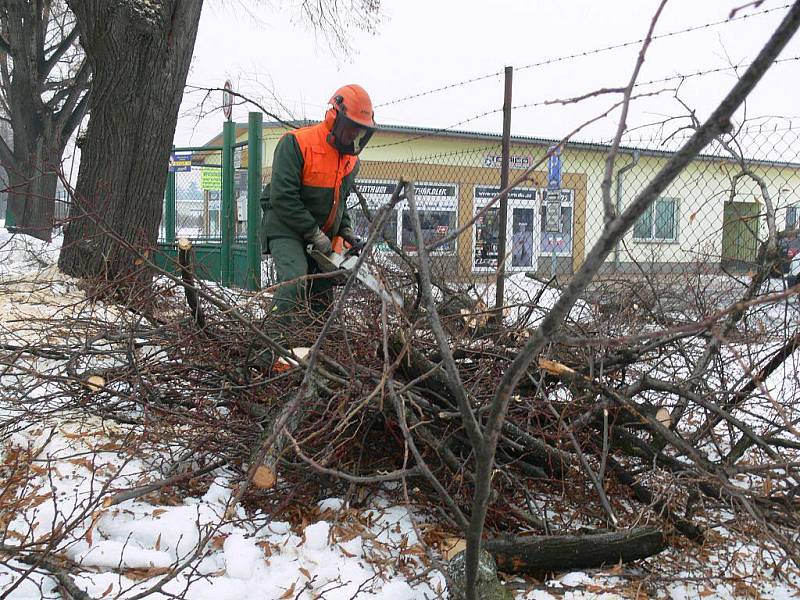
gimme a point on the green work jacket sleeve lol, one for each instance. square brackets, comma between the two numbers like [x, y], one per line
[350, 182]
[287, 176]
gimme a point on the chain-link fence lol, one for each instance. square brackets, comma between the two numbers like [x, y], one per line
[714, 216]
[198, 195]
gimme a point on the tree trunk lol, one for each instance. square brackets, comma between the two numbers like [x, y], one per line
[140, 54]
[32, 183]
[40, 129]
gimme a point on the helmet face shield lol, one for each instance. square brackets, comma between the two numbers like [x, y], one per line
[349, 137]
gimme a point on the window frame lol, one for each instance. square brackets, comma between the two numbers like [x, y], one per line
[795, 210]
[479, 203]
[423, 203]
[675, 219]
[375, 204]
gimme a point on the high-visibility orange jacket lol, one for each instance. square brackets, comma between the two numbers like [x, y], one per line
[309, 187]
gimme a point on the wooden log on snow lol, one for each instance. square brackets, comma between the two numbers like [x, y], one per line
[542, 554]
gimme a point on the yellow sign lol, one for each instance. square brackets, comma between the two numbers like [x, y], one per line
[211, 178]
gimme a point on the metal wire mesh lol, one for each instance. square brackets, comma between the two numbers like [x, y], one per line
[713, 216]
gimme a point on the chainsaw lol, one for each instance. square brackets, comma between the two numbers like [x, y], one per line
[344, 257]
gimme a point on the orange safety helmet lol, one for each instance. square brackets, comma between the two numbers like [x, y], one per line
[350, 119]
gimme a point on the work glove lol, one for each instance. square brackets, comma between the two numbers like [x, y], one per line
[319, 241]
[349, 236]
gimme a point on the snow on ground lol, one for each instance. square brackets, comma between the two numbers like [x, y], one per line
[123, 549]
[61, 472]
[21, 253]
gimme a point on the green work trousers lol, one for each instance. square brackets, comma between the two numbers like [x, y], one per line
[291, 262]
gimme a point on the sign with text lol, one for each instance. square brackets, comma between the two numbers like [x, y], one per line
[180, 162]
[436, 190]
[554, 169]
[487, 192]
[520, 161]
[552, 211]
[210, 178]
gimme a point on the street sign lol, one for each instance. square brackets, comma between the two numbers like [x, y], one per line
[552, 211]
[180, 162]
[554, 169]
[227, 99]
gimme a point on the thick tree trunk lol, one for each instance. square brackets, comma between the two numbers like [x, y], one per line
[140, 54]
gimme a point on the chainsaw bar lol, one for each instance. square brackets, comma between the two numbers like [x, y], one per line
[335, 261]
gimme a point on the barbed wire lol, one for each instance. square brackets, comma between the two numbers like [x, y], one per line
[641, 142]
[552, 102]
[583, 54]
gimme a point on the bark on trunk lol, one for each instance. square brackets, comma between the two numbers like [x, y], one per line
[32, 189]
[541, 554]
[140, 54]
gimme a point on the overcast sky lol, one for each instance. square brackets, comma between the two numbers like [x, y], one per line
[266, 49]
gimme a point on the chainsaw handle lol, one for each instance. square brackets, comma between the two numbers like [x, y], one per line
[355, 249]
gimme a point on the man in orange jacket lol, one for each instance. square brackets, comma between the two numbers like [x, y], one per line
[313, 172]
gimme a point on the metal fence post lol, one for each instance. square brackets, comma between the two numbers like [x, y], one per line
[501, 241]
[254, 134]
[227, 216]
[169, 208]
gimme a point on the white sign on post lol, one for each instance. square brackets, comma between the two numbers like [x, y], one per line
[552, 211]
[227, 99]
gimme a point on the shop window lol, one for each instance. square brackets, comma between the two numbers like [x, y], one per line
[521, 229]
[659, 223]
[487, 237]
[522, 242]
[438, 214]
[377, 194]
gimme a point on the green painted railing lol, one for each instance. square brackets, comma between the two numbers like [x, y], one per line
[225, 259]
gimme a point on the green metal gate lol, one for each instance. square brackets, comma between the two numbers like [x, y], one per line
[212, 199]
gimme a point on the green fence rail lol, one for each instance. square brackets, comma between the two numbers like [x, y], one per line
[212, 199]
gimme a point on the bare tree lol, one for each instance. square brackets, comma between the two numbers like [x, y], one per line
[45, 78]
[140, 54]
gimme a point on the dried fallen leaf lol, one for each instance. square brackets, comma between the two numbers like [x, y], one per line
[218, 541]
[288, 593]
[95, 383]
[264, 478]
[149, 573]
[452, 546]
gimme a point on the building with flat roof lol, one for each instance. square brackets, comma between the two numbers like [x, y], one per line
[709, 215]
